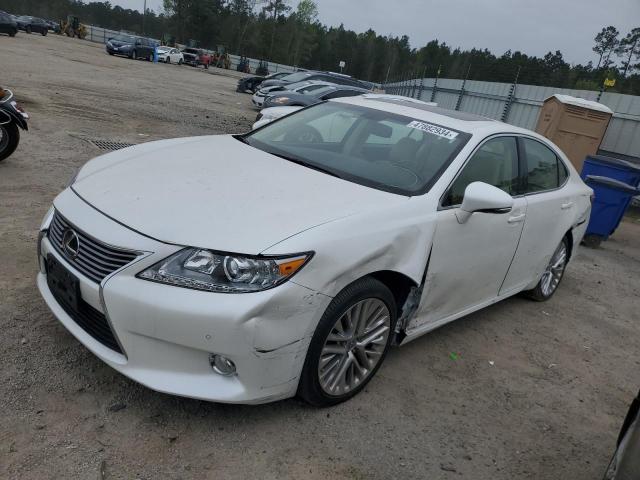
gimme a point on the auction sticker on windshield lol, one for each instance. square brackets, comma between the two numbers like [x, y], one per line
[433, 129]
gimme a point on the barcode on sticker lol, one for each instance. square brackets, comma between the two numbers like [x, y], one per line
[433, 129]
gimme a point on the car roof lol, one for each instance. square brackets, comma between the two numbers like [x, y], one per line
[462, 121]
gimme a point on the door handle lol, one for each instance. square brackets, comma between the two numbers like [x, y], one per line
[517, 218]
[566, 206]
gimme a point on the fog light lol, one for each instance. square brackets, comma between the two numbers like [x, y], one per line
[222, 365]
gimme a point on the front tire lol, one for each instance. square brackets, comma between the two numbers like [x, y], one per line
[167, 60]
[552, 275]
[134, 55]
[349, 344]
[44, 33]
[27, 29]
[9, 139]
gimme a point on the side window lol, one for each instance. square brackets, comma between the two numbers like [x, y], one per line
[563, 173]
[543, 169]
[495, 163]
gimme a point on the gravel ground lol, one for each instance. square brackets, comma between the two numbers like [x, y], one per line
[538, 391]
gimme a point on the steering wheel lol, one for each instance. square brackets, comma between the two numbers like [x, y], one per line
[303, 134]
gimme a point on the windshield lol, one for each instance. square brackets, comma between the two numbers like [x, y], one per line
[318, 92]
[124, 38]
[311, 88]
[295, 77]
[367, 146]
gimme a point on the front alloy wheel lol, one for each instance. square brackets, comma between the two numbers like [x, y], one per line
[349, 344]
[553, 273]
[354, 347]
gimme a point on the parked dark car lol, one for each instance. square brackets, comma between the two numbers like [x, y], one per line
[8, 24]
[131, 46]
[251, 84]
[322, 76]
[53, 25]
[625, 464]
[32, 24]
[196, 57]
[293, 99]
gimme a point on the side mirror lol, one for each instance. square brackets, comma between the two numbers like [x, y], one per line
[485, 198]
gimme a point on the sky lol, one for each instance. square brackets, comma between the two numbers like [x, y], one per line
[534, 27]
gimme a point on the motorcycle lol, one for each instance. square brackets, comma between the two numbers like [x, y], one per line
[12, 119]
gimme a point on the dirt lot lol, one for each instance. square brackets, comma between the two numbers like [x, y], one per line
[548, 406]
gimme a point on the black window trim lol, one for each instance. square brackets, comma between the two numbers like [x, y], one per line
[468, 159]
[524, 172]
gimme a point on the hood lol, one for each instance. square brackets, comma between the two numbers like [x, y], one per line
[217, 192]
[294, 99]
[273, 88]
[119, 43]
[273, 83]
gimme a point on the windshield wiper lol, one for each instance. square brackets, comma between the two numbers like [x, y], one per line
[312, 166]
[242, 139]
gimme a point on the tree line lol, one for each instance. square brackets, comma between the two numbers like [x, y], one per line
[288, 32]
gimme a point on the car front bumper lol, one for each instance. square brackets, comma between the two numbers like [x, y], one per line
[168, 333]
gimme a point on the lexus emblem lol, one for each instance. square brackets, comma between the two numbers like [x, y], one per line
[70, 243]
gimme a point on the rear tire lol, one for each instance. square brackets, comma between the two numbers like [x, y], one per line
[9, 139]
[553, 274]
[44, 33]
[13, 34]
[351, 340]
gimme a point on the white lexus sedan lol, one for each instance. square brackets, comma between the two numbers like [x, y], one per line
[251, 268]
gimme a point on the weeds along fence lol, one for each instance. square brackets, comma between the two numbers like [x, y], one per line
[520, 105]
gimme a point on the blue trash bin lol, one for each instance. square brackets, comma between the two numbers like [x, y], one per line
[612, 198]
[611, 167]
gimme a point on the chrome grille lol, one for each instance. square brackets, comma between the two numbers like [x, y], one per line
[94, 259]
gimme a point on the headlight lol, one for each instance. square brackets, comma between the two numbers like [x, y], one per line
[211, 271]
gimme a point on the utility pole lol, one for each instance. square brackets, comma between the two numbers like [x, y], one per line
[144, 16]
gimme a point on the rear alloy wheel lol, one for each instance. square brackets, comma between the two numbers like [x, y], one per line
[349, 344]
[553, 274]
